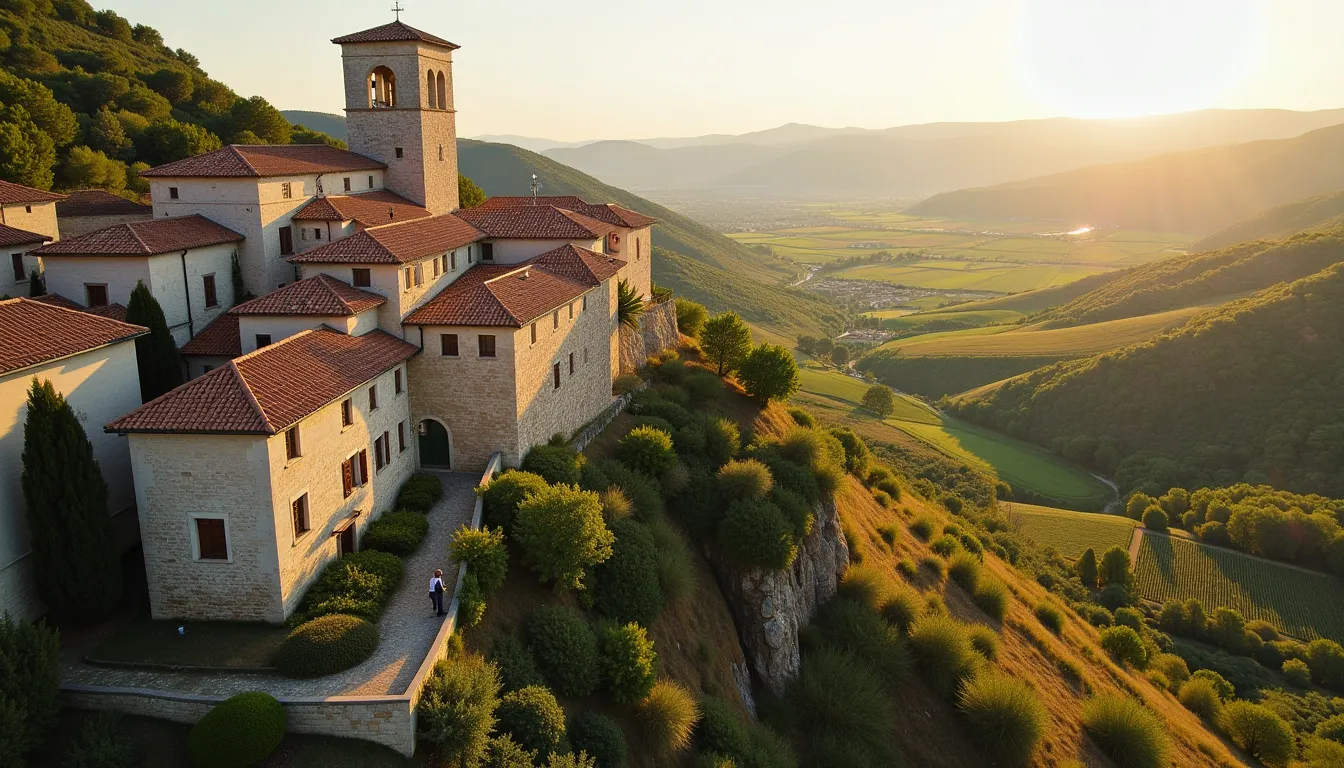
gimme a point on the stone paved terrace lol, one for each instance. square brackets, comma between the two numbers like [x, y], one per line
[408, 627]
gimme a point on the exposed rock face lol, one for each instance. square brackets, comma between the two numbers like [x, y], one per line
[769, 607]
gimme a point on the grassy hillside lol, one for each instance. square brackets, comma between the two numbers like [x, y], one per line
[1199, 278]
[1198, 191]
[692, 259]
[1070, 532]
[1323, 212]
[934, 377]
[1249, 391]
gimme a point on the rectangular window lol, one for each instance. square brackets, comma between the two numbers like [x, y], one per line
[407, 274]
[361, 278]
[585, 355]
[378, 461]
[571, 310]
[555, 375]
[95, 295]
[400, 153]
[555, 319]
[373, 398]
[347, 183]
[263, 340]
[534, 333]
[436, 267]
[299, 511]
[452, 261]
[16, 259]
[387, 448]
[370, 182]
[211, 541]
[303, 233]
[448, 344]
[571, 363]
[211, 300]
[419, 275]
[363, 467]
[292, 448]
[584, 307]
[469, 252]
[317, 233]
[172, 193]
[286, 190]
[396, 381]
[401, 437]
[347, 413]
[485, 345]
[487, 251]
[286, 241]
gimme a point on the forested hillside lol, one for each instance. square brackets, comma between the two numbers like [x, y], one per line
[692, 259]
[1196, 278]
[1248, 392]
[88, 100]
[1320, 213]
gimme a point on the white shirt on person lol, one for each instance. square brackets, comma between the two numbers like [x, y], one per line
[435, 583]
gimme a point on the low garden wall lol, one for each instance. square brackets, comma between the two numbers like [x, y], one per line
[386, 720]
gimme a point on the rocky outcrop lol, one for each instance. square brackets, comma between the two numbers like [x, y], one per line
[657, 331]
[770, 607]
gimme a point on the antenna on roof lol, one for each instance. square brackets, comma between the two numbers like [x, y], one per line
[397, 9]
[536, 185]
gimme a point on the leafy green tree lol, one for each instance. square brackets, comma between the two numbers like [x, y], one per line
[78, 573]
[725, 342]
[628, 662]
[769, 372]
[1136, 505]
[1087, 568]
[880, 400]
[691, 317]
[146, 103]
[29, 687]
[457, 708]
[468, 194]
[137, 184]
[562, 534]
[156, 353]
[170, 140]
[97, 91]
[174, 85]
[85, 168]
[212, 97]
[840, 355]
[27, 153]
[1154, 519]
[1114, 568]
[104, 132]
[302, 134]
[55, 119]
[257, 116]
[629, 305]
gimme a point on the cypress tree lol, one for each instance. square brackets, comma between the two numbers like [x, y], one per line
[35, 285]
[1087, 568]
[77, 568]
[155, 354]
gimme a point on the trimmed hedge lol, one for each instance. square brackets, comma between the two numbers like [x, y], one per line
[240, 731]
[565, 650]
[505, 492]
[398, 533]
[533, 717]
[600, 737]
[420, 493]
[326, 645]
[359, 584]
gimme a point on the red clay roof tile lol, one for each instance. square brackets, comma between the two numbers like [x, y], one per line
[579, 264]
[145, 238]
[17, 194]
[543, 222]
[98, 202]
[393, 33]
[370, 209]
[34, 332]
[15, 236]
[218, 339]
[256, 161]
[610, 213]
[399, 243]
[317, 295]
[499, 295]
[114, 310]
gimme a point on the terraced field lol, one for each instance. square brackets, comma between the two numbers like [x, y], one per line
[1070, 532]
[1300, 603]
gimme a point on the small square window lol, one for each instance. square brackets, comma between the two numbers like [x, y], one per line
[347, 183]
[292, 448]
[448, 344]
[400, 153]
[555, 375]
[347, 413]
[263, 340]
[95, 295]
[396, 381]
[286, 190]
[172, 193]
[29, 208]
[299, 511]
[373, 398]
[317, 233]
[361, 277]
[486, 345]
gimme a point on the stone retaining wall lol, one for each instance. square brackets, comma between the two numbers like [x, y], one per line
[657, 331]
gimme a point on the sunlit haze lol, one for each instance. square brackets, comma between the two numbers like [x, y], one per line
[644, 68]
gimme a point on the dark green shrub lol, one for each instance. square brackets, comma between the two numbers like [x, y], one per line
[1154, 519]
[936, 564]
[102, 743]
[484, 552]
[1114, 596]
[964, 568]
[1125, 646]
[972, 544]
[627, 662]
[29, 685]
[699, 508]
[646, 421]
[326, 645]
[798, 512]
[625, 587]
[1050, 617]
[890, 487]
[1259, 731]
[470, 601]
[703, 386]
[398, 533]
[501, 751]
[942, 647]
[425, 483]
[755, 534]
[1005, 717]
[517, 668]
[676, 569]
[902, 609]
[721, 731]
[643, 490]
[562, 534]
[1201, 697]
[722, 441]
[840, 712]
[1129, 617]
[505, 492]
[882, 498]
[600, 737]
[239, 731]
[1331, 728]
[359, 584]
[1172, 667]
[678, 416]
[865, 584]
[415, 500]
[744, 480]
[984, 640]
[457, 707]
[945, 545]
[857, 455]
[802, 418]
[1264, 629]
[855, 627]
[667, 717]
[1326, 659]
[570, 760]
[811, 448]
[533, 717]
[689, 442]
[923, 527]
[556, 463]
[675, 479]
[1126, 731]
[647, 450]
[565, 650]
[1296, 672]
[1221, 686]
[789, 475]
[991, 595]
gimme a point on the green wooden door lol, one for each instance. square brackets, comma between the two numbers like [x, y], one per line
[435, 449]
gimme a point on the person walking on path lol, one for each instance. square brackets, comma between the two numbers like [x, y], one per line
[436, 592]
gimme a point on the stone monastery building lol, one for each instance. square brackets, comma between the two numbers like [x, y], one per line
[393, 331]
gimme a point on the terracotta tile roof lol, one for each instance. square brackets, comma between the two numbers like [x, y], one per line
[399, 243]
[15, 236]
[318, 295]
[610, 213]
[114, 310]
[33, 332]
[579, 264]
[393, 33]
[256, 161]
[499, 295]
[370, 209]
[57, 300]
[267, 391]
[544, 222]
[98, 202]
[218, 339]
[145, 238]
[16, 194]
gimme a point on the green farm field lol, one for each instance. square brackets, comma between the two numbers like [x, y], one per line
[1070, 532]
[967, 275]
[1300, 603]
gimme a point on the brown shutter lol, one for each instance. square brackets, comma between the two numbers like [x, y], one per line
[387, 448]
[363, 467]
[348, 477]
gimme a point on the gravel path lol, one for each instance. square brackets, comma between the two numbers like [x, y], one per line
[408, 627]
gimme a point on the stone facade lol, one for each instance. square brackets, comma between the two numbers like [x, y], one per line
[280, 327]
[635, 249]
[100, 385]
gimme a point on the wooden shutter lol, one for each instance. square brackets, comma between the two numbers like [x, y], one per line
[286, 241]
[211, 539]
[210, 298]
[348, 476]
[378, 462]
[363, 467]
[387, 448]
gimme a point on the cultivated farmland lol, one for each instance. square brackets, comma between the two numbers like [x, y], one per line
[1070, 532]
[1300, 603]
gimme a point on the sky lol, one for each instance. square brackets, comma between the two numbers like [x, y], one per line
[653, 68]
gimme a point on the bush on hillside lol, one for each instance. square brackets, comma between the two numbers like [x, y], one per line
[1259, 731]
[797, 511]
[1004, 715]
[769, 372]
[943, 650]
[484, 552]
[840, 713]
[721, 732]
[239, 731]
[29, 685]
[501, 751]
[600, 737]
[667, 718]
[865, 584]
[625, 587]
[470, 601]
[802, 418]
[703, 386]
[644, 492]
[755, 534]
[517, 668]
[1323, 753]
[856, 627]
[984, 640]
[946, 545]
[359, 584]
[1172, 667]
[675, 480]
[1050, 617]
[1297, 673]
[555, 461]
[562, 534]
[505, 492]
[964, 569]
[1125, 646]
[533, 718]
[1114, 568]
[857, 455]
[722, 441]
[398, 533]
[1326, 659]
[789, 475]
[882, 498]
[326, 645]
[936, 564]
[565, 650]
[1201, 697]
[902, 609]
[1221, 686]
[923, 527]
[647, 450]
[1154, 519]
[907, 568]
[676, 568]
[102, 743]
[457, 707]
[1126, 731]
[615, 505]
[744, 480]
[1331, 728]
[570, 760]
[627, 662]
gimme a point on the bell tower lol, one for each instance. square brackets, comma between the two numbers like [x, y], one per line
[399, 110]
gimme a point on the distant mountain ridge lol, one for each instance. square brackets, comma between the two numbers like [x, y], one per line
[1320, 213]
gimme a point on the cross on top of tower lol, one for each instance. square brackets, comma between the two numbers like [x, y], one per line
[397, 9]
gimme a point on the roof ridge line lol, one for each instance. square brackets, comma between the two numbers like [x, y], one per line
[130, 227]
[247, 390]
[243, 157]
[522, 267]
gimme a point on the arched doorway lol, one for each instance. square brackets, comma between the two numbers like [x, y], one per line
[436, 449]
